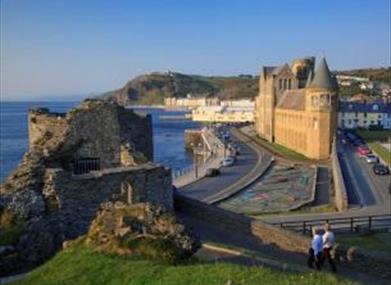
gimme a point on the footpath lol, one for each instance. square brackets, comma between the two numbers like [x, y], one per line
[216, 155]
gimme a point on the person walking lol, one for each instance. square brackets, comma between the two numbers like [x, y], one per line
[316, 250]
[328, 244]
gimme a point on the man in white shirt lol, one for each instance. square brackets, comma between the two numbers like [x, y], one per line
[328, 243]
[316, 250]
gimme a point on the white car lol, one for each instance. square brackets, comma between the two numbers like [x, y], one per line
[370, 158]
[228, 161]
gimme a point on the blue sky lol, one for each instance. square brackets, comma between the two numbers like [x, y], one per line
[64, 47]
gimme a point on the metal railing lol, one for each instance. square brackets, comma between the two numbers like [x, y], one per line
[352, 224]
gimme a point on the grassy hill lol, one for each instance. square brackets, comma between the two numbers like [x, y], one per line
[150, 89]
[81, 265]
[374, 74]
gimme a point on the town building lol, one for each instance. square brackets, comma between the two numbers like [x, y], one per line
[296, 107]
[190, 102]
[224, 114]
[376, 115]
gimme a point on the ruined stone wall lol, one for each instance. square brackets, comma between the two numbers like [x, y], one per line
[75, 199]
[96, 129]
[136, 133]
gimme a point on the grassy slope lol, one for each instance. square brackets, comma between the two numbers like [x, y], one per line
[282, 151]
[153, 88]
[376, 74]
[371, 241]
[373, 138]
[81, 265]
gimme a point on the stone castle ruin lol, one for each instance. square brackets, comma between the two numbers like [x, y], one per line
[97, 153]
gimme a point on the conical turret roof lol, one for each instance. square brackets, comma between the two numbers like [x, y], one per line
[309, 79]
[322, 77]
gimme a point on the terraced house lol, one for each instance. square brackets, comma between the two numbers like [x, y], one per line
[296, 106]
[376, 115]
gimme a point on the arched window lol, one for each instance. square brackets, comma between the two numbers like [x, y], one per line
[289, 84]
[285, 83]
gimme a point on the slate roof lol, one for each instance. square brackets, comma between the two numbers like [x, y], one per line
[379, 107]
[323, 77]
[293, 99]
[271, 69]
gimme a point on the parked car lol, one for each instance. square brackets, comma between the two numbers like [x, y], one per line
[380, 169]
[363, 151]
[212, 172]
[371, 158]
[228, 161]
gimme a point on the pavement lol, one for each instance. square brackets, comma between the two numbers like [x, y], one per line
[228, 246]
[212, 162]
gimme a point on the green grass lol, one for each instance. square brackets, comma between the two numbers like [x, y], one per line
[381, 151]
[327, 208]
[282, 150]
[370, 136]
[373, 138]
[370, 241]
[10, 235]
[81, 265]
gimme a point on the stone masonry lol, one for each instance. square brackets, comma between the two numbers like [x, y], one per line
[99, 152]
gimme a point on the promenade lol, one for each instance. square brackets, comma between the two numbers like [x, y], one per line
[214, 155]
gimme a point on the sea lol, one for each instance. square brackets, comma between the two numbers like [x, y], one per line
[168, 134]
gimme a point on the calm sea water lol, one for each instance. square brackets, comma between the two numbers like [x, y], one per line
[168, 135]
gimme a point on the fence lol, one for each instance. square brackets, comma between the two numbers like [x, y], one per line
[209, 151]
[352, 224]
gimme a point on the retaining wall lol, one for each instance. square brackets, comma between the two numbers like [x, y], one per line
[287, 240]
[341, 197]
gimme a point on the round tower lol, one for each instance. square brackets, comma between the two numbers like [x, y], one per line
[302, 67]
[321, 103]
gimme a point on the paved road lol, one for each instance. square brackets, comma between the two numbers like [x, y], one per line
[363, 186]
[210, 186]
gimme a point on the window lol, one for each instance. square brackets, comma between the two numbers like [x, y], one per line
[289, 84]
[365, 114]
[86, 164]
[285, 83]
[364, 122]
[280, 84]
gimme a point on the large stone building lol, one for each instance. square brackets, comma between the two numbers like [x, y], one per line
[296, 107]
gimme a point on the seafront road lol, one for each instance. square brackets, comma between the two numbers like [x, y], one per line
[247, 168]
[368, 195]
